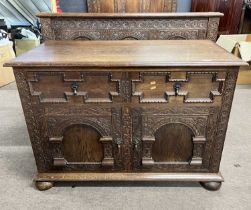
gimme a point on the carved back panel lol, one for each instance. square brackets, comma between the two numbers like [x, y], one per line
[152, 26]
[127, 6]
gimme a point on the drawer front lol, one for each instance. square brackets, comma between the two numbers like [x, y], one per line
[179, 87]
[73, 87]
[191, 87]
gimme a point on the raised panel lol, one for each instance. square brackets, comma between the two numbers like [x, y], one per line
[182, 87]
[173, 143]
[76, 87]
[81, 143]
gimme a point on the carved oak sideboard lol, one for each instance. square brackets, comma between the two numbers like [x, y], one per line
[127, 110]
[145, 26]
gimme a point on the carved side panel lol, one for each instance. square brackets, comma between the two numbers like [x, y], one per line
[223, 120]
[34, 117]
[47, 29]
[213, 28]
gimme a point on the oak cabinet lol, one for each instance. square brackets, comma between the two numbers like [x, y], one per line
[155, 110]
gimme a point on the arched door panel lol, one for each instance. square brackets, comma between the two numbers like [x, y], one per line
[81, 143]
[173, 143]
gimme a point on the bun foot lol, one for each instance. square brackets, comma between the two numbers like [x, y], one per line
[211, 186]
[42, 186]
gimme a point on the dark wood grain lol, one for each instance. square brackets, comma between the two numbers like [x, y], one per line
[232, 10]
[84, 141]
[136, 6]
[173, 143]
[127, 53]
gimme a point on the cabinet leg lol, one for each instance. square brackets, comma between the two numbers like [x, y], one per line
[42, 186]
[211, 186]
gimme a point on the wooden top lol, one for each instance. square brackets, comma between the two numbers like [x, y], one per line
[132, 15]
[127, 53]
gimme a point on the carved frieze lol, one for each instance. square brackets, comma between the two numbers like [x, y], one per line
[133, 28]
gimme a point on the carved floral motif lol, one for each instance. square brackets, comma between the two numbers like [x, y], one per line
[119, 28]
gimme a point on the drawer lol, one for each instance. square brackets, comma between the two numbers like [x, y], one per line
[72, 87]
[179, 87]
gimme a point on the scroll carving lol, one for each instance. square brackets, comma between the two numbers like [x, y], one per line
[47, 29]
[223, 120]
[151, 28]
[35, 124]
[213, 26]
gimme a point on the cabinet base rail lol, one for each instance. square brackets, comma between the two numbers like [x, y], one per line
[210, 181]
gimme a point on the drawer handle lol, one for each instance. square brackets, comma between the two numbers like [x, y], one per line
[74, 88]
[177, 87]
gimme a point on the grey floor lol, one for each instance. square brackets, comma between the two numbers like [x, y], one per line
[17, 169]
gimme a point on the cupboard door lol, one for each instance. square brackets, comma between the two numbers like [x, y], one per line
[173, 139]
[84, 138]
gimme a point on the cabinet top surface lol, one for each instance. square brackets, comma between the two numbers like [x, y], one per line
[127, 53]
[132, 15]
